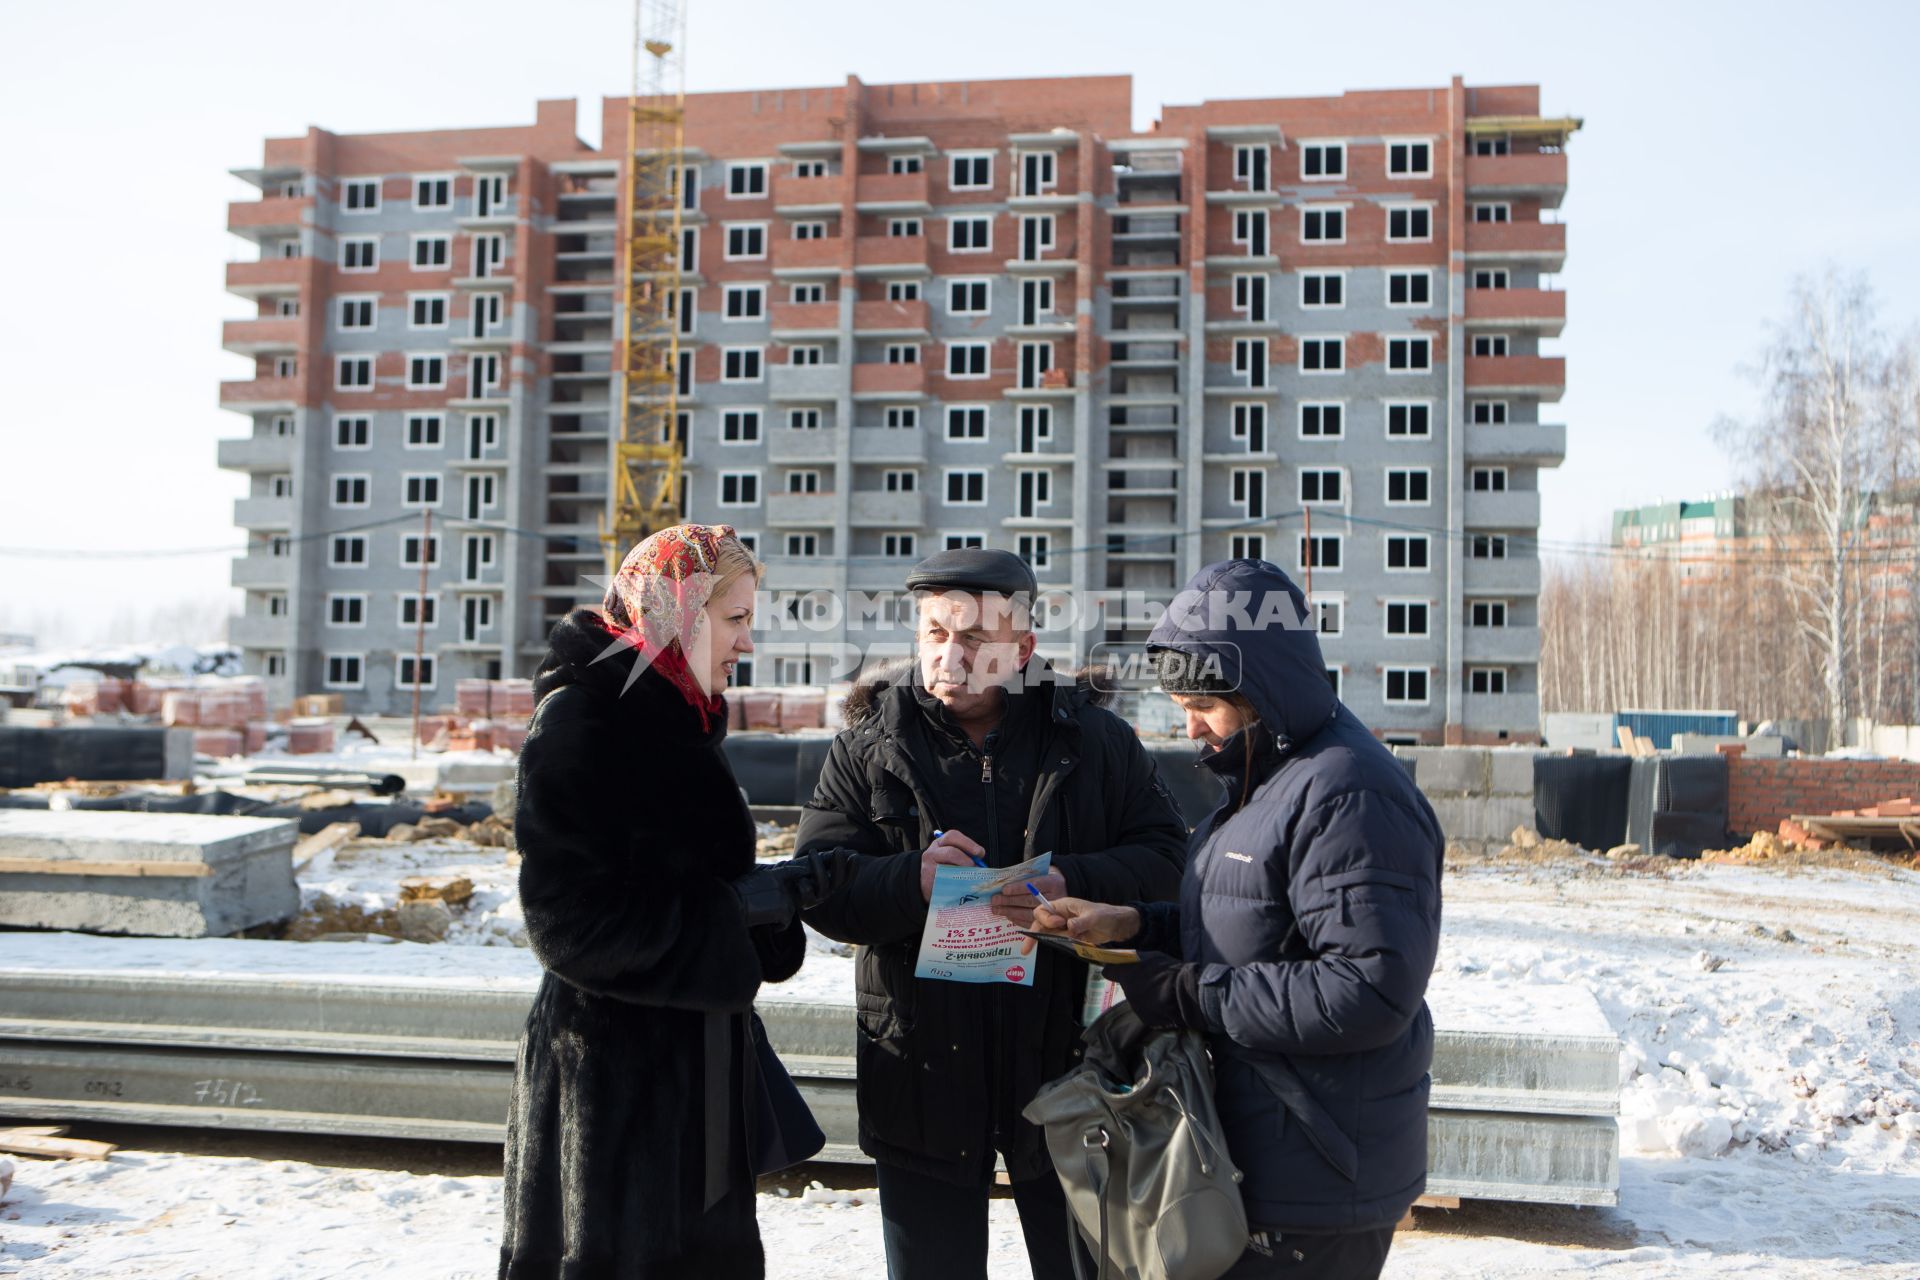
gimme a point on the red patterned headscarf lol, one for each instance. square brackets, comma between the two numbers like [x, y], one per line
[655, 601]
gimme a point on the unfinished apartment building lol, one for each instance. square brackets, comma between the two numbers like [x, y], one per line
[914, 317]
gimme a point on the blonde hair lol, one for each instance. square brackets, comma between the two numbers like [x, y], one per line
[732, 562]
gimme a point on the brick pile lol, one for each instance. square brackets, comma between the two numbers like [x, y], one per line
[1764, 793]
[775, 710]
[1903, 807]
[228, 715]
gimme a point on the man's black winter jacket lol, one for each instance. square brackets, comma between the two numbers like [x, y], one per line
[946, 1067]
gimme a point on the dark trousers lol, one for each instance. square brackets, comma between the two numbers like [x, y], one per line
[1352, 1255]
[935, 1230]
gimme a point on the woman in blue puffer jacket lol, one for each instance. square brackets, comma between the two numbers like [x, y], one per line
[1304, 936]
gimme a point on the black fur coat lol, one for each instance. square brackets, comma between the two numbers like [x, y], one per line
[629, 824]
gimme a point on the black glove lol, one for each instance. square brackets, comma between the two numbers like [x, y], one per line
[776, 894]
[1163, 991]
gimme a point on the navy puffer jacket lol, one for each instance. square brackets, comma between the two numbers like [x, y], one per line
[1314, 913]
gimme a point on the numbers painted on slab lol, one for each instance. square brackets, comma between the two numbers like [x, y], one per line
[16, 1084]
[226, 1093]
[105, 1088]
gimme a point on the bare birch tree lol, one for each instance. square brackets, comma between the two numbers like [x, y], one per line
[1818, 442]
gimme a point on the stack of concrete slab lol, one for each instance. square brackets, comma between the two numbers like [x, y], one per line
[153, 874]
[1480, 794]
[418, 1041]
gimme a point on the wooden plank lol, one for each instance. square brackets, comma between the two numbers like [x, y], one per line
[78, 867]
[331, 836]
[33, 1144]
[1428, 1202]
[1624, 736]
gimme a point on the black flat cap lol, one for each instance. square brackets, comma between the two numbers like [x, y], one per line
[973, 569]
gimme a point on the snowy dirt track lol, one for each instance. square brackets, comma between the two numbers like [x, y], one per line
[1770, 1126]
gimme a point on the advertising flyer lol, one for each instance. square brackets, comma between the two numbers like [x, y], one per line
[964, 941]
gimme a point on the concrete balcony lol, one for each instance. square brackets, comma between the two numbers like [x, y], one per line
[821, 573]
[1508, 509]
[877, 508]
[1514, 576]
[882, 444]
[1544, 243]
[1544, 377]
[807, 257]
[804, 319]
[265, 334]
[880, 381]
[259, 631]
[1516, 713]
[892, 191]
[257, 453]
[1544, 443]
[806, 381]
[270, 217]
[255, 394]
[263, 572]
[890, 253]
[824, 194]
[1502, 645]
[1062, 257]
[270, 276]
[808, 445]
[802, 510]
[1537, 175]
[1542, 310]
[907, 319]
[263, 513]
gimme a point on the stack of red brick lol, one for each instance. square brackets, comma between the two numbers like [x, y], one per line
[777, 710]
[228, 716]
[486, 714]
[1904, 807]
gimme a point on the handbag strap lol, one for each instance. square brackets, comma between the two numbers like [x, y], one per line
[1094, 1143]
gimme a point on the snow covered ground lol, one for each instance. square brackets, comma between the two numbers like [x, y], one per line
[1770, 1019]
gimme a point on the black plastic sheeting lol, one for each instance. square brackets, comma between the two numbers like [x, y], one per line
[1582, 799]
[1677, 805]
[102, 754]
[374, 819]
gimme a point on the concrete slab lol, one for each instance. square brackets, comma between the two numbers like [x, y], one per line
[1448, 770]
[1481, 817]
[1550, 1159]
[1498, 1046]
[1510, 772]
[165, 875]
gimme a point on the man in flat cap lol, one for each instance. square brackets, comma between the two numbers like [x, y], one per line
[979, 753]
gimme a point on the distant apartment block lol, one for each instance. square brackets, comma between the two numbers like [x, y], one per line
[919, 316]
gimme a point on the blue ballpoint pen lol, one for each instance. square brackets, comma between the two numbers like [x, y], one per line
[978, 862]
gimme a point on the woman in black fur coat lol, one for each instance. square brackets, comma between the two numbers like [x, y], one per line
[631, 1140]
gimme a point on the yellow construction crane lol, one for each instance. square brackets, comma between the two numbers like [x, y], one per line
[646, 486]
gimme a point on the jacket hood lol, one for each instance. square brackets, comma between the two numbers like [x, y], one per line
[1252, 623]
[1092, 686]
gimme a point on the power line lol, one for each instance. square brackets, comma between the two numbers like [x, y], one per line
[1672, 553]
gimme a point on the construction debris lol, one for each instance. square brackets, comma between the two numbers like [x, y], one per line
[37, 1142]
[427, 829]
[331, 836]
[452, 890]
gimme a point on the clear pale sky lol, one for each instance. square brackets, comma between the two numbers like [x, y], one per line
[1727, 147]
